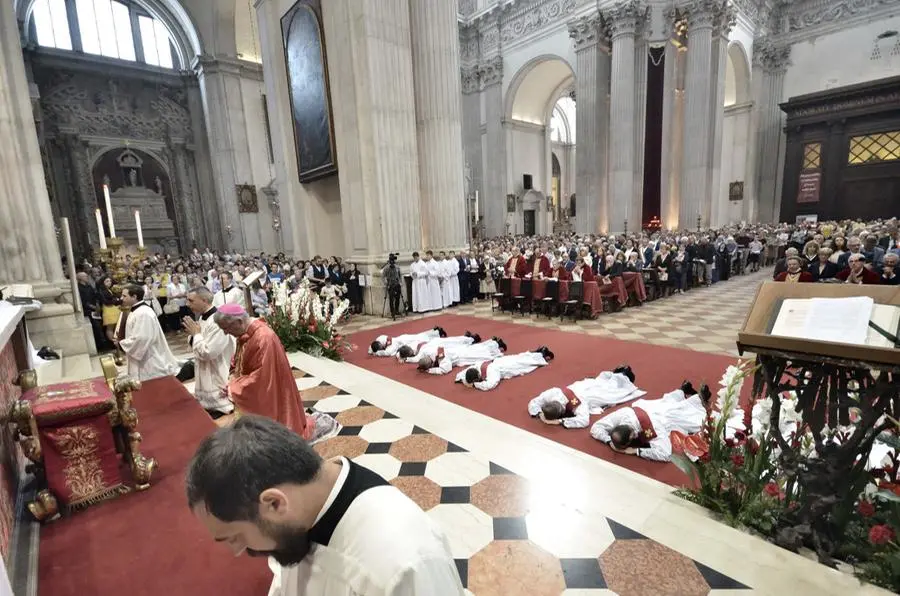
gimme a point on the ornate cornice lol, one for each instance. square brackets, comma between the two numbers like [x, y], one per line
[490, 72]
[588, 32]
[814, 14]
[700, 14]
[467, 7]
[771, 56]
[625, 18]
[725, 20]
[530, 17]
[470, 79]
[489, 34]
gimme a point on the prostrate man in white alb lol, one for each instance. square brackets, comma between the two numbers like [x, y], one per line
[409, 353]
[440, 360]
[573, 405]
[142, 340]
[643, 428]
[212, 349]
[487, 375]
[330, 527]
[230, 293]
[389, 346]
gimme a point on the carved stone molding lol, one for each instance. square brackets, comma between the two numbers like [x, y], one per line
[725, 20]
[490, 72]
[489, 32]
[587, 32]
[469, 77]
[468, 44]
[805, 15]
[625, 18]
[771, 56]
[701, 13]
[467, 7]
[530, 17]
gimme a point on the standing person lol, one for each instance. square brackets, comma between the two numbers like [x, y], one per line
[212, 350]
[142, 339]
[230, 293]
[176, 307]
[354, 290]
[90, 304]
[109, 307]
[419, 273]
[392, 282]
[263, 382]
[328, 527]
[435, 274]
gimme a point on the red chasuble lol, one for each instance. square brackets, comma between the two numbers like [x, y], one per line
[648, 433]
[572, 402]
[263, 381]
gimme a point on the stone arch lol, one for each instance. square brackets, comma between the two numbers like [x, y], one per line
[737, 75]
[533, 87]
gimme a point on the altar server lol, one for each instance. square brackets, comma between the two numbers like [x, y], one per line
[142, 339]
[389, 346]
[572, 406]
[643, 429]
[230, 293]
[421, 296]
[487, 375]
[440, 360]
[435, 275]
[212, 350]
[443, 274]
[452, 268]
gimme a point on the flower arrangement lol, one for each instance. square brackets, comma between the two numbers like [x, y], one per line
[303, 322]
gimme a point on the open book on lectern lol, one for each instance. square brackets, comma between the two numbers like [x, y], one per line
[857, 320]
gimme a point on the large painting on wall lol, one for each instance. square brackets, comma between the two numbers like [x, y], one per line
[307, 71]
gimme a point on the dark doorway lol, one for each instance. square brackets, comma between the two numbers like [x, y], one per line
[529, 222]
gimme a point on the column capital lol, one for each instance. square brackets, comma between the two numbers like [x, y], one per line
[469, 78]
[725, 20]
[588, 32]
[770, 56]
[700, 14]
[490, 72]
[625, 18]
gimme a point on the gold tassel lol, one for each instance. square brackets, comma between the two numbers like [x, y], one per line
[106, 495]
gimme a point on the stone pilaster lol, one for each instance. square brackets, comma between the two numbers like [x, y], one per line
[725, 20]
[623, 23]
[770, 64]
[671, 143]
[435, 57]
[496, 185]
[641, 53]
[471, 132]
[592, 71]
[696, 197]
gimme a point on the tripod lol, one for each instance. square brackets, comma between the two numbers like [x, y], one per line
[394, 292]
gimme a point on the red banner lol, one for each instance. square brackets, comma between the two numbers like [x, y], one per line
[810, 184]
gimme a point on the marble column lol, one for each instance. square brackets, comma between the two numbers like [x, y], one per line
[490, 75]
[770, 62]
[471, 131]
[592, 80]
[435, 59]
[641, 53]
[725, 20]
[623, 22]
[696, 197]
[671, 144]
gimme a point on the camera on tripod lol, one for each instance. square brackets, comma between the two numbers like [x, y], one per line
[392, 258]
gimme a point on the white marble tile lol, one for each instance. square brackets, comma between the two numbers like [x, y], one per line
[337, 403]
[386, 431]
[386, 466]
[457, 469]
[567, 534]
[468, 528]
[307, 383]
[577, 592]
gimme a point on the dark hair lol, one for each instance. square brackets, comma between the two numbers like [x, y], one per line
[621, 436]
[428, 252]
[376, 346]
[406, 352]
[553, 410]
[135, 291]
[425, 363]
[415, 254]
[235, 464]
[472, 376]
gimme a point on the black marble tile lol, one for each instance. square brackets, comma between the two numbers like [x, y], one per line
[718, 581]
[510, 528]
[454, 495]
[622, 532]
[350, 431]
[462, 566]
[454, 448]
[375, 448]
[497, 470]
[583, 574]
[412, 468]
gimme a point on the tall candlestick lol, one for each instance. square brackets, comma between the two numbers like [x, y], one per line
[109, 213]
[100, 229]
[476, 205]
[137, 222]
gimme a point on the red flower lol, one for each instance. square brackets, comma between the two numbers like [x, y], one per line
[740, 436]
[737, 459]
[881, 534]
[891, 486]
[754, 446]
[866, 509]
[337, 337]
[772, 489]
[325, 344]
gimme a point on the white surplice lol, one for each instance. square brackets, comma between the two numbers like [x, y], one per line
[435, 274]
[673, 411]
[212, 350]
[505, 367]
[453, 279]
[458, 355]
[411, 339]
[145, 346]
[420, 295]
[595, 393]
[444, 276]
[379, 543]
[232, 295]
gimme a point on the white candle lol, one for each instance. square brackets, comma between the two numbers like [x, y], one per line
[109, 213]
[137, 222]
[100, 229]
[476, 205]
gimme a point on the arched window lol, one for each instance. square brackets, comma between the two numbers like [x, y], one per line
[562, 121]
[122, 30]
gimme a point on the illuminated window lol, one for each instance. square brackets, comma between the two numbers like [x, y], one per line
[562, 121]
[875, 148]
[51, 24]
[812, 156]
[105, 28]
[157, 50]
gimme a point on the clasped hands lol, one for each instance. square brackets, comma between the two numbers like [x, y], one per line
[543, 419]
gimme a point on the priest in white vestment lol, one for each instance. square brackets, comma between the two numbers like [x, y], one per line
[143, 340]
[230, 293]
[643, 428]
[573, 405]
[435, 274]
[329, 528]
[443, 267]
[212, 350]
[452, 268]
[440, 360]
[487, 375]
[385, 346]
[421, 298]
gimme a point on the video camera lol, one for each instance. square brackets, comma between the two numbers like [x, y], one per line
[392, 257]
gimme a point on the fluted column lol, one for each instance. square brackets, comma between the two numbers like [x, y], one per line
[471, 132]
[592, 66]
[622, 20]
[668, 186]
[696, 198]
[724, 21]
[490, 75]
[641, 53]
[770, 63]
[435, 57]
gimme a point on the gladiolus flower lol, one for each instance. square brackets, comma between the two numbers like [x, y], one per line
[325, 344]
[772, 489]
[866, 509]
[737, 459]
[891, 486]
[881, 534]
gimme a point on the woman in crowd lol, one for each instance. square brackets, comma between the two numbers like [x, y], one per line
[823, 269]
[838, 247]
[810, 253]
[354, 290]
[177, 305]
[665, 269]
[109, 306]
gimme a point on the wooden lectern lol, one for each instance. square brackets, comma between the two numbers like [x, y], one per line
[835, 383]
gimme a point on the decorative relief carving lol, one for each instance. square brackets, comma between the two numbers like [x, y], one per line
[468, 44]
[489, 30]
[466, 7]
[534, 16]
[749, 8]
[469, 77]
[625, 18]
[771, 56]
[806, 16]
[725, 20]
[587, 32]
[491, 72]
[700, 13]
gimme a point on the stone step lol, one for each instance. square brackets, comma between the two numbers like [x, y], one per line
[51, 371]
[79, 367]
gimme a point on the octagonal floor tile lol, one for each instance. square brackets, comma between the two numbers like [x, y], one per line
[468, 529]
[629, 566]
[582, 537]
[337, 403]
[319, 392]
[306, 383]
[386, 431]
[382, 464]
[348, 446]
[423, 491]
[515, 567]
[505, 495]
[360, 416]
[419, 448]
[456, 469]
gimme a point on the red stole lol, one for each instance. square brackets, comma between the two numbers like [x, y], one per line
[572, 402]
[439, 356]
[387, 342]
[483, 369]
[648, 433]
[419, 347]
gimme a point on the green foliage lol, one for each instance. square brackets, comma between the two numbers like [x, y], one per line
[309, 337]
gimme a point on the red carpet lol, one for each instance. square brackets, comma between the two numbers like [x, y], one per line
[658, 369]
[148, 543]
